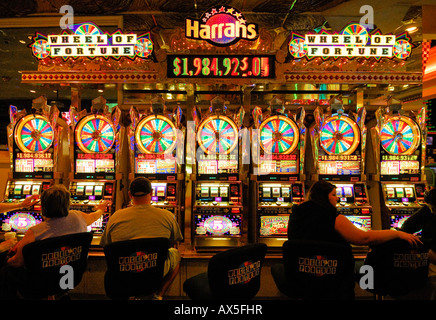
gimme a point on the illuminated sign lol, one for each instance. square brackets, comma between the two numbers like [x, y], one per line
[353, 41]
[220, 66]
[87, 40]
[222, 26]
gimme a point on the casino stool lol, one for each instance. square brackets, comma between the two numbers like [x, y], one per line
[298, 277]
[43, 261]
[130, 277]
[226, 276]
[398, 268]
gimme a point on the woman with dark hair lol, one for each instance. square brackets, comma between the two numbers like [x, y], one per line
[58, 220]
[318, 219]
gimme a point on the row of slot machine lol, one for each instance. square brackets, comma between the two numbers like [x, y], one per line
[244, 180]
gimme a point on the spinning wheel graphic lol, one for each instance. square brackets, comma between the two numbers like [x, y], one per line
[357, 30]
[400, 135]
[217, 134]
[339, 135]
[278, 134]
[34, 133]
[95, 134]
[156, 134]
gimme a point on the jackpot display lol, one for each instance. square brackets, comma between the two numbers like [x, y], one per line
[154, 154]
[33, 145]
[94, 145]
[278, 142]
[339, 145]
[399, 148]
[217, 209]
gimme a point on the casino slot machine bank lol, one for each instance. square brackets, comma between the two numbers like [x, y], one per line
[399, 150]
[217, 203]
[339, 148]
[94, 144]
[33, 142]
[278, 147]
[156, 152]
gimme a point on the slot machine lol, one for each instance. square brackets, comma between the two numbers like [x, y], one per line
[156, 152]
[33, 141]
[278, 147]
[399, 149]
[94, 155]
[217, 204]
[339, 148]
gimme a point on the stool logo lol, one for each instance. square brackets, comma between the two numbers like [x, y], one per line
[412, 260]
[61, 256]
[244, 273]
[138, 262]
[317, 265]
[222, 26]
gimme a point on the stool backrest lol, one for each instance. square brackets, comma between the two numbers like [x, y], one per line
[44, 259]
[235, 273]
[319, 270]
[135, 267]
[398, 267]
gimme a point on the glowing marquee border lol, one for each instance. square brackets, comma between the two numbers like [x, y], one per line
[87, 40]
[352, 41]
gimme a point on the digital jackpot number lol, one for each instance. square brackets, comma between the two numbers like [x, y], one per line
[220, 67]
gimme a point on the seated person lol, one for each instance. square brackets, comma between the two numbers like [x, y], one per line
[142, 220]
[58, 220]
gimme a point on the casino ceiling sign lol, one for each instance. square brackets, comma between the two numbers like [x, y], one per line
[221, 26]
[353, 41]
[87, 40]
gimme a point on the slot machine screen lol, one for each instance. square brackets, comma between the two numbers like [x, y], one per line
[392, 165]
[159, 192]
[20, 222]
[275, 193]
[349, 166]
[361, 222]
[90, 190]
[345, 192]
[91, 163]
[278, 163]
[217, 225]
[400, 193]
[214, 192]
[209, 166]
[33, 164]
[155, 164]
[274, 226]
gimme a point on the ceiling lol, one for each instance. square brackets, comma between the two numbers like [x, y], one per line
[155, 15]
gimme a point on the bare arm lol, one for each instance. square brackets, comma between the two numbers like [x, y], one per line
[354, 235]
[27, 202]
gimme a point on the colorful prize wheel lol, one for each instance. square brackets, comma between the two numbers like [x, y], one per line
[278, 134]
[298, 48]
[339, 135]
[87, 29]
[357, 30]
[217, 134]
[402, 49]
[155, 134]
[95, 134]
[400, 136]
[34, 133]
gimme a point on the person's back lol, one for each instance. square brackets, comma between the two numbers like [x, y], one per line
[141, 221]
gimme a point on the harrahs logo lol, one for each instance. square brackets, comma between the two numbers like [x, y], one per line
[221, 27]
